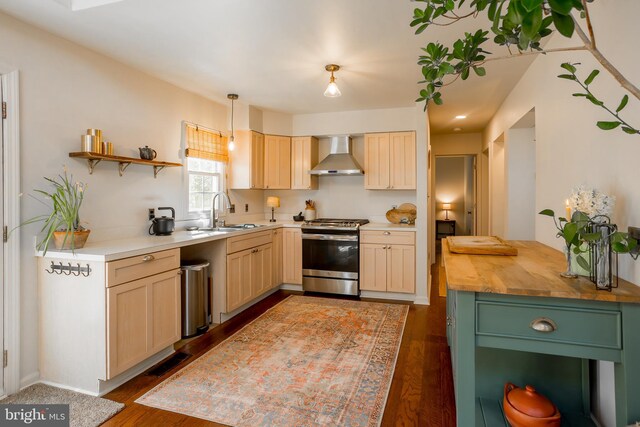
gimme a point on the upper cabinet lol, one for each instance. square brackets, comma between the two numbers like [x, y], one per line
[304, 157]
[277, 162]
[247, 168]
[390, 161]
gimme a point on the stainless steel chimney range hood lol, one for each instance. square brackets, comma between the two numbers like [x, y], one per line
[339, 161]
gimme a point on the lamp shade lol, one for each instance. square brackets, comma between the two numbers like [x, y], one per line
[273, 202]
[446, 206]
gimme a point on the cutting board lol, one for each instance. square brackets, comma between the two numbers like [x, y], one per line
[406, 212]
[480, 245]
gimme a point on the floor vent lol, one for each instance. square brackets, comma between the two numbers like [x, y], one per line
[164, 367]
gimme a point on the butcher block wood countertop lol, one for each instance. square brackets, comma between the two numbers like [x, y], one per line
[535, 271]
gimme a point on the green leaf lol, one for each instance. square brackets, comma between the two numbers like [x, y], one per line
[569, 67]
[580, 94]
[567, 76]
[608, 125]
[592, 76]
[480, 71]
[591, 237]
[532, 22]
[421, 28]
[547, 212]
[582, 262]
[564, 24]
[623, 103]
[619, 247]
[530, 5]
[562, 7]
[570, 231]
[629, 130]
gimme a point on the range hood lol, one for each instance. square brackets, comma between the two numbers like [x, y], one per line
[339, 161]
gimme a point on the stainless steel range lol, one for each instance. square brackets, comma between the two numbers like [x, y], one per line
[331, 255]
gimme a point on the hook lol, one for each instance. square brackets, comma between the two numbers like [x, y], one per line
[59, 269]
[77, 270]
[88, 271]
[68, 271]
[52, 269]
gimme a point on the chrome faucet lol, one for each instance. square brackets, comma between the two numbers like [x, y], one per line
[214, 212]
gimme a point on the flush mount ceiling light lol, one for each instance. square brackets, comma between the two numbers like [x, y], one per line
[332, 90]
[232, 144]
[460, 117]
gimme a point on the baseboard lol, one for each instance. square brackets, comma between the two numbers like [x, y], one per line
[30, 379]
[66, 387]
[395, 296]
[422, 301]
[291, 287]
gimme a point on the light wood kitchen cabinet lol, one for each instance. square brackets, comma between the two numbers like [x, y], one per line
[292, 256]
[246, 162]
[143, 317]
[390, 161]
[277, 162]
[304, 157]
[387, 261]
[277, 257]
[249, 268]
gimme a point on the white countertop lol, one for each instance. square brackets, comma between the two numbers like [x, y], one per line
[117, 249]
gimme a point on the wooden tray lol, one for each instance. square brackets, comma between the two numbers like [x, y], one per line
[406, 211]
[480, 245]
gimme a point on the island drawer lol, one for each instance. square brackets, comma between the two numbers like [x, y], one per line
[570, 326]
[388, 237]
[128, 269]
[247, 241]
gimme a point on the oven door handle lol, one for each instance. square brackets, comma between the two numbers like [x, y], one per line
[333, 237]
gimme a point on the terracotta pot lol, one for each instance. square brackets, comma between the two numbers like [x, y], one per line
[79, 238]
[524, 407]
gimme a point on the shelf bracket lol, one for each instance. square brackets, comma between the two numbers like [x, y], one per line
[122, 166]
[157, 169]
[92, 164]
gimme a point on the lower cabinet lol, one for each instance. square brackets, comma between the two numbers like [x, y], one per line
[249, 274]
[143, 317]
[277, 257]
[388, 261]
[292, 256]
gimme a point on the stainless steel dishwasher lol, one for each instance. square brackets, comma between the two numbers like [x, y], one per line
[196, 313]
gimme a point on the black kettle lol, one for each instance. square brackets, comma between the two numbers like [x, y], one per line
[163, 226]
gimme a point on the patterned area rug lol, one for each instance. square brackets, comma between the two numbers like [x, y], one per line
[305, 362]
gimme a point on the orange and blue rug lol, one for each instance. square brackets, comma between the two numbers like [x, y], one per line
[306, 362]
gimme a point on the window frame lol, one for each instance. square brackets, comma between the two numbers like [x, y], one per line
[205, 213]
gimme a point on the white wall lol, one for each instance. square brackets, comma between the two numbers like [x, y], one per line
[521, 184]
[450, 188]
[570, 150]
[497, 188]
[355, 122]
[66, 89]
[469, 194]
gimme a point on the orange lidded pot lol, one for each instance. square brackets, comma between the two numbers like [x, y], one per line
[524, 407]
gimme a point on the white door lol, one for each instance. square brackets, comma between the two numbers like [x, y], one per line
[2, 257]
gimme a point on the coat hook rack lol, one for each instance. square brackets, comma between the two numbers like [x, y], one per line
[76, 270]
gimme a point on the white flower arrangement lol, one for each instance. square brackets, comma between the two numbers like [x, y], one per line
[591, 202]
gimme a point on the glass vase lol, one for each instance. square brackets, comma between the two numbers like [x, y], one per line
[570, 274]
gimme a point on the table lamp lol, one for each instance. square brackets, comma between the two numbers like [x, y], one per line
[273, 202]
[446, 207]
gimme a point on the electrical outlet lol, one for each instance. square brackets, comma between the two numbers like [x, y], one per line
[152, 213]
[246, 207]
[232, 208]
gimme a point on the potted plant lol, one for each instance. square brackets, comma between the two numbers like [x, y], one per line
[62, 224]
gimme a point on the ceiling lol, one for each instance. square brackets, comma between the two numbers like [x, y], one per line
[273, 52]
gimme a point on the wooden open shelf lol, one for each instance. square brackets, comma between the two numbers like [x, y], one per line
[94, 158]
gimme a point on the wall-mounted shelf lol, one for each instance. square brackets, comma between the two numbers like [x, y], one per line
[94, 158]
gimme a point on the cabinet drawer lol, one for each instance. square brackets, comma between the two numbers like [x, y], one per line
[573, 326]
[246, 241]
[128, 269]
[388, 237]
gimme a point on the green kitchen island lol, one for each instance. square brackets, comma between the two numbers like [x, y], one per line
[514, 319]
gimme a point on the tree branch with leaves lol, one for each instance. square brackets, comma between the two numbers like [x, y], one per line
[518, 25]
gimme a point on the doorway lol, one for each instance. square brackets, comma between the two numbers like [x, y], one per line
[456, 184]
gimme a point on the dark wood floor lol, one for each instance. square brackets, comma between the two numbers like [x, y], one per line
[421, 392]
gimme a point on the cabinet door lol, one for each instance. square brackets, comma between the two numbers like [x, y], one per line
[403, 160]
[262, 270]
[304, 157]
[238, 279]
[292, 256]
[127, 326]
[401, 268]
[376, 161]
[257, 160]
[277, 162]
[373, 267]
[165, 297]
[277, 257]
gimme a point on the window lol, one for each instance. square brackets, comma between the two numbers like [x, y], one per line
[206, 178]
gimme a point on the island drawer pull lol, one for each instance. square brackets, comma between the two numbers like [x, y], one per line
[387, 233]
[543, 324]
[148, 258]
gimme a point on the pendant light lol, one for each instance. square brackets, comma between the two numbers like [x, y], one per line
[332, 90]
[232, 144]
